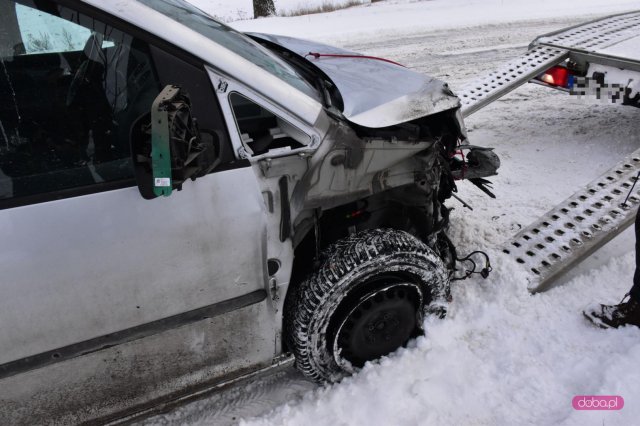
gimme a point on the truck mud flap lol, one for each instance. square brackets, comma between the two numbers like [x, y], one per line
[578, 226]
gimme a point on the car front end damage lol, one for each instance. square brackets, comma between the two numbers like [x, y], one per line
[368, 223]
[394, 147]
[394, 177]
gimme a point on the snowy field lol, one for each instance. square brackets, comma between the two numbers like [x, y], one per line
[235, 10]
[502, 356]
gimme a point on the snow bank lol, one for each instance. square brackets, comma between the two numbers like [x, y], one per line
[237, 10]
[410, 16]
[284, 6]
[226, 10]
[502, 357]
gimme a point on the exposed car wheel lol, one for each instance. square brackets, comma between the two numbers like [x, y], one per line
[367, 299]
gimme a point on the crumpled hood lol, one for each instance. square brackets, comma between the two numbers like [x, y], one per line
[375, 93]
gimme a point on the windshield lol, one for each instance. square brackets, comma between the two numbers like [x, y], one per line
[197, 20]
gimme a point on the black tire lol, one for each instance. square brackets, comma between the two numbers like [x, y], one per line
[367, 298]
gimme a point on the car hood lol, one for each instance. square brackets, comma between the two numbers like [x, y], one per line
[375, 93]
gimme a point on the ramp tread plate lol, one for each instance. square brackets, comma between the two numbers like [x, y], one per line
[578, 226]
[508, 77]
[596, 35]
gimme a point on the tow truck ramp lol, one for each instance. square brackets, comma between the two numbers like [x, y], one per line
[611, 37]
[591, 217]
[509, 77]
[577, 227]
[612, 41]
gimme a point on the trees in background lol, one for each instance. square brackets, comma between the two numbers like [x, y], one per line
[263, 8]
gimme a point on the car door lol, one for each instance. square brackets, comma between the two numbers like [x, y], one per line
[86, 263]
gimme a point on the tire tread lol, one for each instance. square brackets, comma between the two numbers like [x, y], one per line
[336, 262]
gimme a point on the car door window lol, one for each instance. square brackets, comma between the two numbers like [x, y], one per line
[186, 13]
[72, 87]
[37, 27]
[261, 130]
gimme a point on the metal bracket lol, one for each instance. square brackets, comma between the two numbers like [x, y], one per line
[242, 153]
[160, 142]
[274, 289]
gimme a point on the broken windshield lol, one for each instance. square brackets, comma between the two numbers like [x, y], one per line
[197, 20]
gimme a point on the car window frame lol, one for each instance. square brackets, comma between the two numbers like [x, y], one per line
[226, 87]
[153, 41]
[189, 15]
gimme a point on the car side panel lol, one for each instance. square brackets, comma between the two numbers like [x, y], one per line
[83, 267]
[143, 372]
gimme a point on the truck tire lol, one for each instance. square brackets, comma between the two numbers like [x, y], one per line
[367, 298]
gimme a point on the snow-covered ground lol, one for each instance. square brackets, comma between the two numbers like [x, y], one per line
[235, 10]
[502, 356]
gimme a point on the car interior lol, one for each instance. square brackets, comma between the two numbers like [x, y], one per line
[71, 88]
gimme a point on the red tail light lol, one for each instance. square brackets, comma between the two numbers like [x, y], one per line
[557, 76]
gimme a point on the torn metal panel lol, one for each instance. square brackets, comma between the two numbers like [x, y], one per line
[375, 93]
[346, 168]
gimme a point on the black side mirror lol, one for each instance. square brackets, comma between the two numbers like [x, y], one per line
[168, 147]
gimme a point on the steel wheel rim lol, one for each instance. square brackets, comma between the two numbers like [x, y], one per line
[378, 324]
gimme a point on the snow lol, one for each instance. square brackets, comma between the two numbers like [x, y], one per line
[235, 10]
[627, 49]
[284, 6]
[226, 10]
[502, 356]
[489, 365]
[407, 16]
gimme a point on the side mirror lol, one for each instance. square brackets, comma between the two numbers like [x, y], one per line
[168, 146]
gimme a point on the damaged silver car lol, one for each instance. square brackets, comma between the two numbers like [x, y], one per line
[315, 224]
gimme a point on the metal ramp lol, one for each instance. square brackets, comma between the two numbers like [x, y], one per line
[595, 36]
[578, 226]
[509, 77]
[614, 40]
[586, 221]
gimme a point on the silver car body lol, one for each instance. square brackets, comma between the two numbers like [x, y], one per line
[110, 301]
[390, 94]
